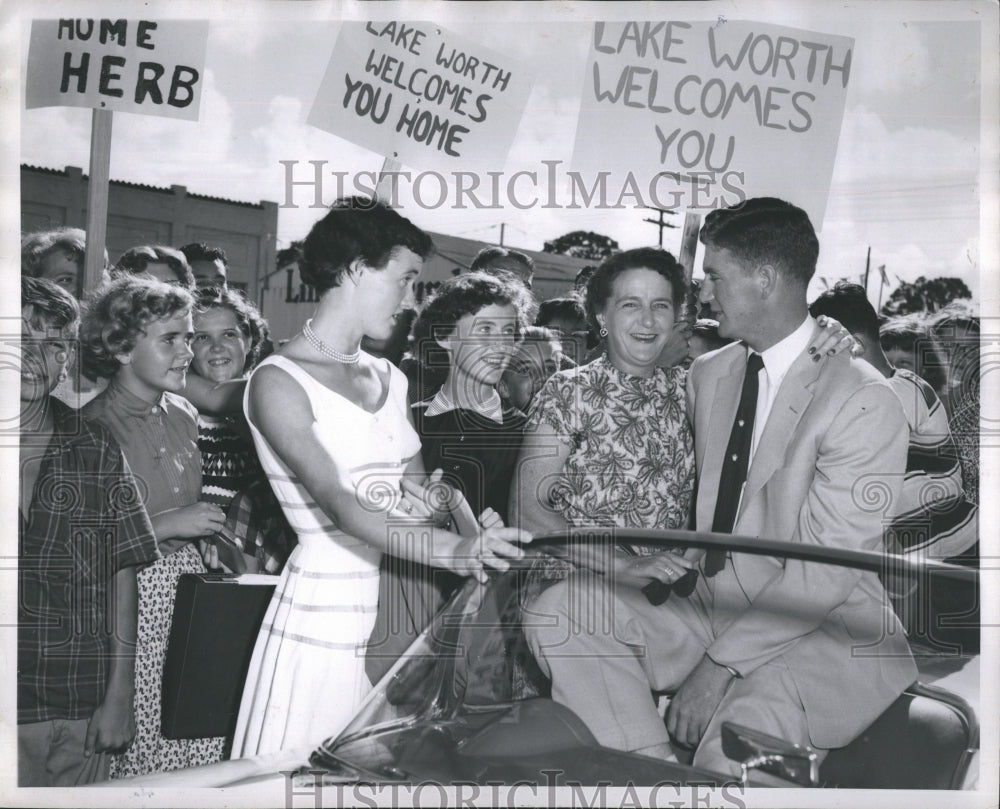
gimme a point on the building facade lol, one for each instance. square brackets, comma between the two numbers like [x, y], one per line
[144, 214]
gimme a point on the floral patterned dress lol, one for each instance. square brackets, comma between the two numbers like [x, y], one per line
[631, 462]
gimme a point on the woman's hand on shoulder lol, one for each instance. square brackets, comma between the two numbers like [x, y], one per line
[833, 339]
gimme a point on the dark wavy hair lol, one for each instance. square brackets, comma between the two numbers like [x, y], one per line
[117, 313]
[52, 307]
[135, 260]
[601, 283]
[765, 230]
[199, 251]
[248, 317]
[849, 304]
[465, 295]
[454, 299]
[356, 228]
[569, 307]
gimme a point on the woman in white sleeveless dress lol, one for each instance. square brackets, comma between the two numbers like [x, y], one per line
[331, 426]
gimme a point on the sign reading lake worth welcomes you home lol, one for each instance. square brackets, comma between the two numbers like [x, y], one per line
[715, 109]
[421, 95]
[152, 67]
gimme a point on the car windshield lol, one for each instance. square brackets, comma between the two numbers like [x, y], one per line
[473, 655]
[473, 663]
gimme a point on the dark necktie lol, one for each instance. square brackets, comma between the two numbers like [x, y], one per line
[735, 464]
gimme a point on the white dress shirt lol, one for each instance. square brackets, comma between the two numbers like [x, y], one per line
[777, 360]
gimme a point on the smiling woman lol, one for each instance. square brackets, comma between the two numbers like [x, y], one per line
[228, 332]
[608, 443]
[332, 430]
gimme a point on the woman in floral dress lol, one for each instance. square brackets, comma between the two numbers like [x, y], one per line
[608, 443]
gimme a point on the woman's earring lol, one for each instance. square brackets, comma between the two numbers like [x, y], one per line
[62, 376]
[603, 332]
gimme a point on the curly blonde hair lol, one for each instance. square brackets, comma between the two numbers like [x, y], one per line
[118, 312]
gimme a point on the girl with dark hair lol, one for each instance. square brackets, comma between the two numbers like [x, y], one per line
[465, 428]
[228, 331]
[473, 321]
[137, 332]
[331, 427]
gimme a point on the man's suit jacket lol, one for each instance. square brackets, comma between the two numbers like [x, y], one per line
[827, 471]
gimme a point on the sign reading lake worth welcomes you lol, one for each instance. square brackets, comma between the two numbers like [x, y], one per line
[153, 67]
[421, 95]
[724, 108]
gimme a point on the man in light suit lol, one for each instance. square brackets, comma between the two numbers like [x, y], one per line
[808, 652]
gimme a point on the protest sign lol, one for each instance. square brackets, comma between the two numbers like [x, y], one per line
[421, 95]
[725, 109]
[152, 67]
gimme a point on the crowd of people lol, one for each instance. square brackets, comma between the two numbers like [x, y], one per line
[163, 434]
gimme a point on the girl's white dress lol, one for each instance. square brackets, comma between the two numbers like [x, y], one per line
[307, 673]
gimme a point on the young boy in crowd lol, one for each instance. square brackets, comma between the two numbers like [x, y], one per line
[535, 359]
[933, 518]
[82, 533]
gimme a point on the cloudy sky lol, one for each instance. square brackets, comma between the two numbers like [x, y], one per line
[907, 180]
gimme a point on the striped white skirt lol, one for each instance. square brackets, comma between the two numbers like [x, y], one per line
[307, 673]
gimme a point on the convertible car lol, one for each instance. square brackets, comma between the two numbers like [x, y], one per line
[468, 704]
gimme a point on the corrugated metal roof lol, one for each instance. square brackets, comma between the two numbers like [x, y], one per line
[145, 187]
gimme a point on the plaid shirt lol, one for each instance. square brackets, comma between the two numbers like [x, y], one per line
[84, 524]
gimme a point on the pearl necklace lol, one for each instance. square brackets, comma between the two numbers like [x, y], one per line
[327, 351]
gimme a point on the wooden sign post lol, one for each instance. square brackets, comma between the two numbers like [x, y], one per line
[383, 187]
[689, 243]
[97, 197]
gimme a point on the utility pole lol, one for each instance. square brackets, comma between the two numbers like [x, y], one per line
[502, 226]
[660, 223]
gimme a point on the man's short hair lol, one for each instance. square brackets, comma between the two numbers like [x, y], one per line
[765, 230]
[849, 304]
[135, 260]
[488, 255]
[487, 260]
[199, 251]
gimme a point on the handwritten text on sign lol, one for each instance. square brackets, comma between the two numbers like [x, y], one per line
[421, 95]
[153, 67]
[704, 99]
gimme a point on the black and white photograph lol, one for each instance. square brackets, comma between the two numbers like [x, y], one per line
[500, 404]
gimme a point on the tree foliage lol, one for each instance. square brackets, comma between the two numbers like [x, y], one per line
[925, 295]
[583, 244]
